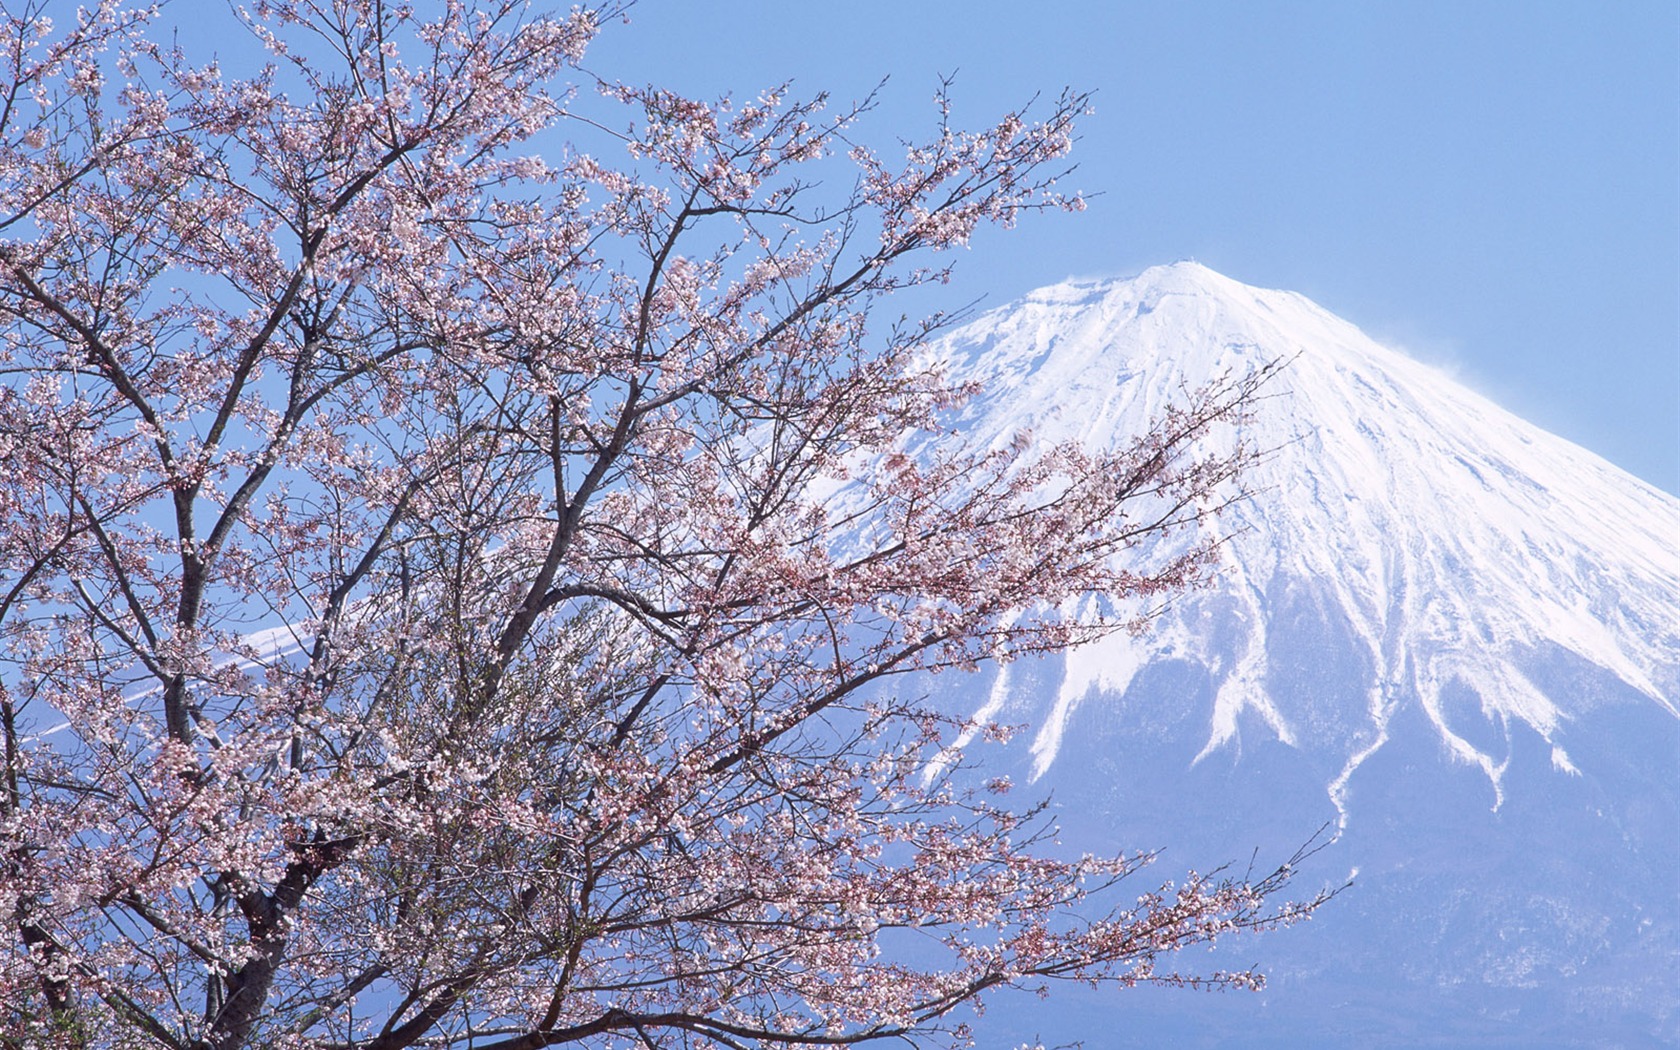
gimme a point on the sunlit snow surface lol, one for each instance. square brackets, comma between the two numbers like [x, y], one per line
[1453, 635]
[1453, 536]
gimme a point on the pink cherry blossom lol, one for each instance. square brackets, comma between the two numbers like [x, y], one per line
[466, 533]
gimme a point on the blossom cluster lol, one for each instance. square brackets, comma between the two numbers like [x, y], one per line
[451, 594]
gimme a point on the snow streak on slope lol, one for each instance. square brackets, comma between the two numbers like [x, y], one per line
[1454, 539]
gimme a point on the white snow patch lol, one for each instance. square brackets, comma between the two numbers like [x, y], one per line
[1106, 666]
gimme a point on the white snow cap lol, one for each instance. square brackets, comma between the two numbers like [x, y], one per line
[1455, 538]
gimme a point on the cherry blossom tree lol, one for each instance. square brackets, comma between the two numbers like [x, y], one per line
[468, 543]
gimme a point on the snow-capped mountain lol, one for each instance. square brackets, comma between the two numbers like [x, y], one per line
[1448, 633]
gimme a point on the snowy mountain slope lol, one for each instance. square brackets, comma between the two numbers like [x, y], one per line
[1453, 535]
[1450, 633]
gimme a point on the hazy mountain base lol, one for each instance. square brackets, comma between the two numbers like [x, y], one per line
[1552, 920]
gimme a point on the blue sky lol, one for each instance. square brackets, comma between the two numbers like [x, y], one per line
[1492, 186]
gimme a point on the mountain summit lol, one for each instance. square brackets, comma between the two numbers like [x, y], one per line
[1447, 631]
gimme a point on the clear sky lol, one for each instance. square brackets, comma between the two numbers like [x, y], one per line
[1492, 186]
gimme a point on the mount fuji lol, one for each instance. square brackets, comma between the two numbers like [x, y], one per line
[1447, 634]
